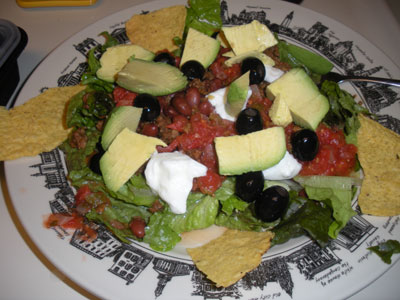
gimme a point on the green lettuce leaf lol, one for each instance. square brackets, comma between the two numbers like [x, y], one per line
[343, 110]
[204, 16]
[243, 220]
[89, 77]
[136, 191]
[304, 217]
[76, 159]
[340, 202]
[226, 196]
[385, 250]
[121, 212]
[235, 213]
[162, 232]
[297, 56]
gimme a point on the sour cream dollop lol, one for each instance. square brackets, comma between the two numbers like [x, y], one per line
[272, 74]
[170, 175]
[287, 168]
[218, 99]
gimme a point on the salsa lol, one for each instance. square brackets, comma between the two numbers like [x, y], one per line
[334, 158]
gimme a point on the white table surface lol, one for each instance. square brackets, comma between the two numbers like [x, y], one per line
[25, 272]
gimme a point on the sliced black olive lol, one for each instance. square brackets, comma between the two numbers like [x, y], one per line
[151, 107]
[94, 163]
[249, 185]
[165, 57]
[305, 144]
[271, 204]
[193, 69]
[248, 120]
[256, 68]
[215, 34]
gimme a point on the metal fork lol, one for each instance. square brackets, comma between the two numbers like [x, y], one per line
[339, 78]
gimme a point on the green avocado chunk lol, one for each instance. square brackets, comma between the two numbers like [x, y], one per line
[154, 78]
[116, 57]
[126, 154]
[306, 104]
[251, 152]
[121, 117]
[237, 94]
[200, 47]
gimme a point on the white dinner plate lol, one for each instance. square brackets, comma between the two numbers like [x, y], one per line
[298, 269]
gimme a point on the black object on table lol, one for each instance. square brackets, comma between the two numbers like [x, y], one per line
[13, 40]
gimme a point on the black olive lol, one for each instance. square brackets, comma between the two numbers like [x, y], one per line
[151, 107]
[94, 163]
[249, 185]
[193, 69]
[215, 34]
[271, 203]
[248, 120]
[304, 144]
[165, 57]
[256, 68]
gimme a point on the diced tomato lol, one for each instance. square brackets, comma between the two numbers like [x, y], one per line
[262, 104]
[209, 158]
[123, 97]
[73, 221]
[223, 72]
[209, 183]
[83, 192]
[335, 157]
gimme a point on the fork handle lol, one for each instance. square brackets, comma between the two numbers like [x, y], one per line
[394, 82]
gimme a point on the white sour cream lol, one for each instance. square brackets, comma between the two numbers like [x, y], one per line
[218, 99]
[170, 175]
[272, 74]
[287, 168]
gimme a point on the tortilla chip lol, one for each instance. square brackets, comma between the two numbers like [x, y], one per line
[379, 155]
[37, 125]
[155, 31]
[228, 258]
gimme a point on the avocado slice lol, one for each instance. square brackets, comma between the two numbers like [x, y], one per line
[249, 37]
[120, 117]
[126, 154]
[251, 152]
[280, 112]
[200, 47]
[149, 77]
[306, 104]
[266, 60]
[116, 57]
[237, 94]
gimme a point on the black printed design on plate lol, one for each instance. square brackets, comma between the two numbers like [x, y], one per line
[128, 262]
